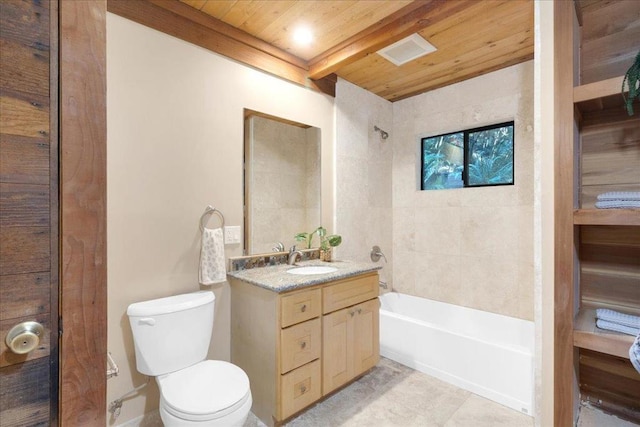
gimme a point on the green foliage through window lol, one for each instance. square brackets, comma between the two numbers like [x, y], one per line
[470, 158]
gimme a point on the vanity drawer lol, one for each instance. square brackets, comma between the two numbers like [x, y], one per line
[349, 292]
[300, 344]
[300, 306]
[300, 388]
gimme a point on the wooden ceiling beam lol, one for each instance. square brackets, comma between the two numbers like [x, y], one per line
[406, 21]
[219, 26]
[182, 21]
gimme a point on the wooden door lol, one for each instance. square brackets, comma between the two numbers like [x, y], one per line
[28, 208]
[337, 350]
[366, 332]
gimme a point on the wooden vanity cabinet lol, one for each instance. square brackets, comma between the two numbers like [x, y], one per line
[298, 346]
[350, 330]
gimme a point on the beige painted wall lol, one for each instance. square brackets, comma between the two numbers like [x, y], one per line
[175, 143]
[363, 175]
[471, 247]
[283, 175]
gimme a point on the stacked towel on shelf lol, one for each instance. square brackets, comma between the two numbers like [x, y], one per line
[634, 353]
[617, 322]
[616, 327]
[618, 199]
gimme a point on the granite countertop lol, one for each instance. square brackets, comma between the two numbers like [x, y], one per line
[275, 278]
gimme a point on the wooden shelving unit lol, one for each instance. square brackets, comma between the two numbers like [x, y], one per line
[587, 335]
[600, 103]
[606, 217]
[597, 250]
[597, 90]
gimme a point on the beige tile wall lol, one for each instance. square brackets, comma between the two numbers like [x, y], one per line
[474, 246]
[363, 175]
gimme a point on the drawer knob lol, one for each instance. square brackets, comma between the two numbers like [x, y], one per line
[303, 308]
[359, 310]
[303, 389]
[352, 313]
[303, 344]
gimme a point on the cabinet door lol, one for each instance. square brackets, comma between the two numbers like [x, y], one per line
[366, 336]
[337, 350]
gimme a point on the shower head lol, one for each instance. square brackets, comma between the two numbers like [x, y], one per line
[383, 134]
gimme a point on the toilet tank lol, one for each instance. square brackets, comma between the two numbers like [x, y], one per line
[171, 333]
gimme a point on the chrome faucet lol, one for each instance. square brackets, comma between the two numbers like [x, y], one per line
[293, 255]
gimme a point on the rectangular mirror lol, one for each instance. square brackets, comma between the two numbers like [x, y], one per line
[281, 181]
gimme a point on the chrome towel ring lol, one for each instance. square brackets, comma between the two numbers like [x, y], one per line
[205, 216]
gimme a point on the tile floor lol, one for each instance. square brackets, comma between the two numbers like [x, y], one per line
[395, 395]
[591, 417]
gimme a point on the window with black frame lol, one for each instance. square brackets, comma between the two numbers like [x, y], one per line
[470, 158]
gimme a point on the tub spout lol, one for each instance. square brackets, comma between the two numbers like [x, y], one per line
[382, 284]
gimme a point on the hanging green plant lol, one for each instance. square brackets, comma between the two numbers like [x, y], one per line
[632, 79]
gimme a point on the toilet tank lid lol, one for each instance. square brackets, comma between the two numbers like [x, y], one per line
[170, 304]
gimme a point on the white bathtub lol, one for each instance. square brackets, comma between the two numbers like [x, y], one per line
[488, 354]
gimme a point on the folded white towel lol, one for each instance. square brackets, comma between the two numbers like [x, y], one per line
[620, 195]
[617, 204]
[619, 318]
[212, 268]
[634, 353]
[616, 327]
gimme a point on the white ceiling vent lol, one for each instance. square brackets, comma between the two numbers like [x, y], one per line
[407, 49]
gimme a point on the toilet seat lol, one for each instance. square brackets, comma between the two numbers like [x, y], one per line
[205, 391]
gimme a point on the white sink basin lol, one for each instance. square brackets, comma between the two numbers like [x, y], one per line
[312, 269]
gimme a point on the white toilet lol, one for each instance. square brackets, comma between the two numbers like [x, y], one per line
[171, 337]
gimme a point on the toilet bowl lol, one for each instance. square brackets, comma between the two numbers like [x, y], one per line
[171, 337]
[211, 393]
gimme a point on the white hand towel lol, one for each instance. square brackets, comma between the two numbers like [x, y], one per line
[212, 268]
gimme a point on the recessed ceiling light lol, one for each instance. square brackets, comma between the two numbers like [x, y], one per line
[302, 35]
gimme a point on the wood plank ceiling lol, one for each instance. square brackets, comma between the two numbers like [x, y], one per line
[472, 37]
